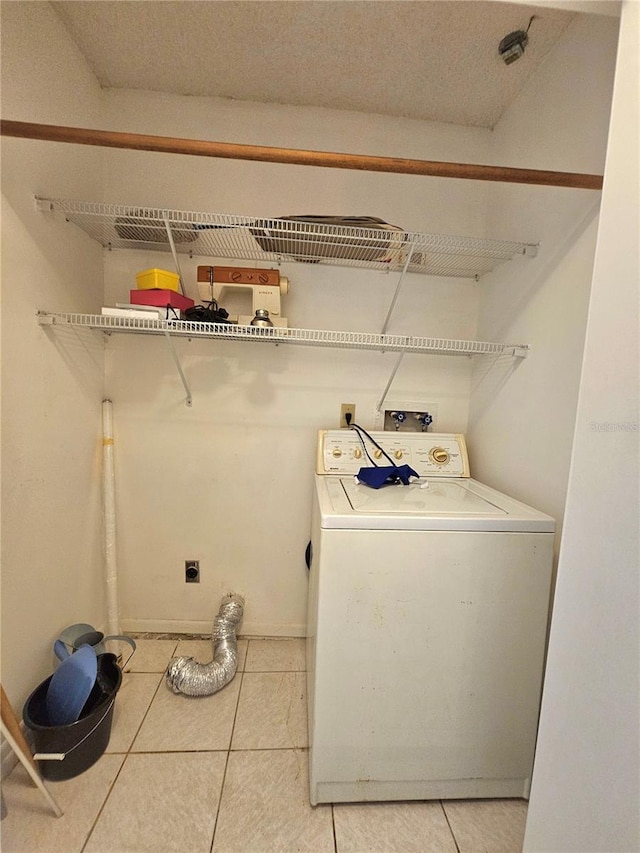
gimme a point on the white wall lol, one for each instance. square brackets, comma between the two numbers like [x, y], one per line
[229, 481]
[51, 385]
[521, 420]
[585, 794]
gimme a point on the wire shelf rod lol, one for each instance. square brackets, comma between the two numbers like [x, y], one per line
[269, 154]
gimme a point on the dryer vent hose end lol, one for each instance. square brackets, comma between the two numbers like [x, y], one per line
[186, 675]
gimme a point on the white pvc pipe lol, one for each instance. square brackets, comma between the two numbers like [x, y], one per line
[109, 507]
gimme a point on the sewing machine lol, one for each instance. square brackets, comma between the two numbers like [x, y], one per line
[265, 288]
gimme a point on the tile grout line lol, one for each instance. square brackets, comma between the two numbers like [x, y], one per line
[124, 760]
[333, 827]
[446, 817]
[226, 763]
[102, 807]
[155, 693]
[215, 822]
[222, 749]
[235, 715]
[271, 671]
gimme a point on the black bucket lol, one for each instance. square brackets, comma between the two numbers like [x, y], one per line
[84, 741]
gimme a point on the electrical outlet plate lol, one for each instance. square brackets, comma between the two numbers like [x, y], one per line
[347, 409]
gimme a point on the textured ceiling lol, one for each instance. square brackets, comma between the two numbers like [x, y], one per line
[432, 59]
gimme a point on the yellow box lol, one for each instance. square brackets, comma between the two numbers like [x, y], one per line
[156, 279]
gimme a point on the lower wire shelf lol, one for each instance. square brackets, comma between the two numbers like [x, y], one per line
[276, 335]
[399, 344]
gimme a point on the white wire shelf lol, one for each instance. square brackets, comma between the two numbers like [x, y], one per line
[280, 240]
[299, 337]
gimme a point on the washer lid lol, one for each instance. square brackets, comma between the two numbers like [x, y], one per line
[432, 497]
[463, 504]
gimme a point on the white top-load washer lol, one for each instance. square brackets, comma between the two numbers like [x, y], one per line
[427, 617]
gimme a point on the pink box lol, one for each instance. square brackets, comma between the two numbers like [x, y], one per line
[161, 298]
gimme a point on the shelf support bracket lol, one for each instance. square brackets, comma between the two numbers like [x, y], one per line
[174, 355]
[172, 244]
[397, 293]
[388, 385]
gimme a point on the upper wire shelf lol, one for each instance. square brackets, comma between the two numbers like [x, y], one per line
[281, 240]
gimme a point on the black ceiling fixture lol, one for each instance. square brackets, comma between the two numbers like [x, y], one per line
[513, 44]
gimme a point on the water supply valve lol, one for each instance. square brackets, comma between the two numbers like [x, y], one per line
[399, 418]
[424, 419]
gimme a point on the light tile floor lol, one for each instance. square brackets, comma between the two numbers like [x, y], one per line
[228, 774]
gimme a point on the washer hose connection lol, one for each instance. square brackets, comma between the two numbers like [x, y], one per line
[186, 675]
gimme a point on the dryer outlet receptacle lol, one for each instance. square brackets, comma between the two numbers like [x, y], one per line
[192, 571]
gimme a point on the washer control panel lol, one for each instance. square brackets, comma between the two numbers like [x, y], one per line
[345, 451]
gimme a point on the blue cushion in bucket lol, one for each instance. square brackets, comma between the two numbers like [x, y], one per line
[71, 685]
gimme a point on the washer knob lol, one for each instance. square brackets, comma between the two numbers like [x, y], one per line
[398, 454]
[336, 452]
[357, 453]
[439, 455]
[377, 454]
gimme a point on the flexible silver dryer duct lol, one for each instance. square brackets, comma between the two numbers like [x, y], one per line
[186, 675]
